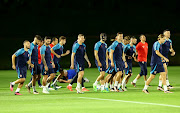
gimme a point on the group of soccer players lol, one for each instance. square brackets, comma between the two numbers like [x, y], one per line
[115, 60]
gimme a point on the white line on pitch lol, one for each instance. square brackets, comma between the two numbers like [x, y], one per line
[135, 102]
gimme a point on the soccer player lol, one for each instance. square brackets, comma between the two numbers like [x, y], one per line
[130, 51]
[101, 61]
[57, 50]
[118, 59]
[166, 47]
[157, 64]
[53, 43]
[77, 59]
[48, 64]
[23, 57]
[142, 51]
[36, 71]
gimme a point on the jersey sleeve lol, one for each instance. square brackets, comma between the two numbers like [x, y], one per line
[42, 50]
[57, 46]
[31, 48]
[170, 42]
[156, 46]
[97, 45]
[19, 52]
[114, 45]
[75, 47]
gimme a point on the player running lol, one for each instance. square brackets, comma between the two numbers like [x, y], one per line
[101, 61]
[130, 51]
[117, 58]
[36, 71]
[77, 59]
[48, 64]
[23, 57]
[57, 50]
[166, 47]
[157, 64]
[142, 51]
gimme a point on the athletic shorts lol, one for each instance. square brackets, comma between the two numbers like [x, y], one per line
[118, 66]
[57, 68]
[158, 68]
[36, 70]
[79, 67]
[21, 71]
[102, 68]
[50, 71]
[143, 66]
[128, 70]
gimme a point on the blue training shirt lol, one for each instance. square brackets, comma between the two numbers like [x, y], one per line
[101, 48]
[155, 59]
[58, 49]
[22, 57]
[71, 73]
[46, 50]
[34, 53]
[165, 47]
[129, 51]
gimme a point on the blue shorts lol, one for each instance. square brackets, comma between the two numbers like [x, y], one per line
[158, 68]
[57, 68]
[143, 66]
[79, 67]
[102, 68]
[128, 70]
[118, 66]
[50, 71]
[22, 71]
[36, 70]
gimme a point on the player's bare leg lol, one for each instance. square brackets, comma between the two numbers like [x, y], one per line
[101, 79]
[107, 78]
[20, 83]
[163, 75]
[44, 81]
[147, 83]
[57, 79]
[79, 80]
[117, 80]
[135, 80]
[160, 84]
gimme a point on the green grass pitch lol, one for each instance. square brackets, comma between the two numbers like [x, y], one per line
[64, 101]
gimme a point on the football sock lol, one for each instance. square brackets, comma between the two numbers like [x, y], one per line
[160, 83]
[18, 89]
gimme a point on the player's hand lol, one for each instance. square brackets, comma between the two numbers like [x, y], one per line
[14, 67]
[89, 63]
[126, 66]
[107, 65]
[99, 64]
[46, 68]
[72, 66]
[167, 60]
[58, 56]
[67, 52]
[32, 65]
[53, 65]
[173, 53]
[112, 64]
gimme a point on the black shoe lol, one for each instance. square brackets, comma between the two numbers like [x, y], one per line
[170, 87]
[35, 92]
[145, 91]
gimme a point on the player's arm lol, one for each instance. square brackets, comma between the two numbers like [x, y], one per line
[42, 51]
[107, 57]
[87, 59]
[53, 65]
[67, 52]
[160, 55]
[97, 58]
[72, 60]
[111, 57]
[172, 50]
[29, 63]
[13, 61]
[53, 52]
[124, 59]
[65, 81]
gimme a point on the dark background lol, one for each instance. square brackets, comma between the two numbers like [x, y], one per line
[22, 19]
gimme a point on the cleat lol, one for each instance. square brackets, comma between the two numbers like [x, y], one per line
[168, 91]
[17, 93]
[160, 88]
[112, 89]
[116, 89]
[45, 92]
[170, 87]
[86, 80]
[28, 88]
[50, 89]
[70, 88]
[54, 86]
[121, 90]
[104, 91]
[84, 89]
[145, 91]
[11, 86]
[134, 84]
[107, 89]
[79, 91]
[94, 87]
[35, 92]
[124, 89]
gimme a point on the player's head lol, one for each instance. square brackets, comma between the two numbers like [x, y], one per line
[133, 40]
[167, 33]
[47, 40]
[103, 37]
[37, 39]
[26, 44]
[41, 43]
[54, 40]
[161, 38]
[81, 38]
[126, 40]
[142, 37]
[65, 73]
[62, 39]
[119, 36]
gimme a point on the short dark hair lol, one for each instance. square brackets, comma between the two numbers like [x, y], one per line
[62, 38]
[103, 35]
[161, 36]
[80, 35]
[119, 33]
[38, 37]
[47, 37]
[25, 41]
[54, 38]
[127, 38]
[166, 30]
[133, 37]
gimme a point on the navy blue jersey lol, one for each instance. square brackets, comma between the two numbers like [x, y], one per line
[165, 47]
[101, 48]
[22, 57]
[71, 73]
[34, 53]
[79, 51]
[46, 50]
[58, 49]
[155, 59]
[118, 51]
[129, 51]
